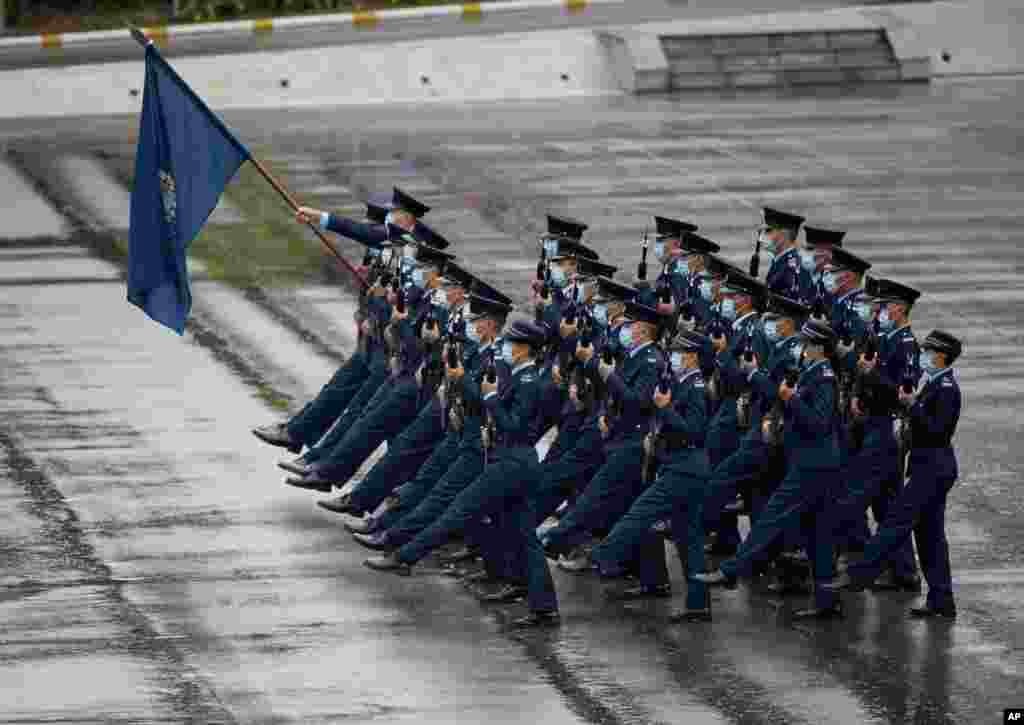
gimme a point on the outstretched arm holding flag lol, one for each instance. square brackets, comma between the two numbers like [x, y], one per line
[184, 159]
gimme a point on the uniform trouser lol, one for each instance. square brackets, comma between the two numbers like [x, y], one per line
[504, 488]
[743, 468]
[723, 439]
[412, 492]
[677, 493]
[360, 403]
[406, 453]
[383, 422]
[921, 508]
[317, 416]
[460, 474]
[873, 477]
[570, 474]
[800, 501]
[607, 497]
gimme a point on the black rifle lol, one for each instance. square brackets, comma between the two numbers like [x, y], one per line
[901, 424]
[650, 459]
[488, 429]
[755, 258]
[543, 276]
[641, 269]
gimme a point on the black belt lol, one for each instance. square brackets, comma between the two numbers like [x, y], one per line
[677, 441]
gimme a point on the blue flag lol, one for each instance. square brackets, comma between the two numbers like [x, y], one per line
[184, 159]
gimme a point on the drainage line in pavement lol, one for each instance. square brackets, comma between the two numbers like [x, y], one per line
[184, 690]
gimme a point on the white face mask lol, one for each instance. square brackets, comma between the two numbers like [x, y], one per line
[884, 321]
[558, 277]
[729, 309]
[683, 266]
[706, 290]
[472, 334]
[677, 361]
[771, 330]
[419, 278]
[659, 251]
[797, 351]
[600, 314]
[864, 310]
[830, 282]
[807, 260]
[506, 354]
[550, 247]
[929, 362]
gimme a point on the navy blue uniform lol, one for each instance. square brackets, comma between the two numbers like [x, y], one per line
[755, 466]
[787, 277]
[399, 403]
[503, 488]
[812, 457]
[618, 482]
[409, 450]
[921, 506]
[677, 492]
[729, 381]
[441, 479]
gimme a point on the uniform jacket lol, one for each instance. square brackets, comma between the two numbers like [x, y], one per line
[810, 432]
[515, 409]
[933, 420]
[372, 235]
[630, 390]
[787, 277]
[686, 416]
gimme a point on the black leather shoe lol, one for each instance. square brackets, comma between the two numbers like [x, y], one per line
[340, 505]
[631, 592]
[310, 484]
[552, 551]
[367, 525]
[930, 612]
[464, 553]
[537, 619]
[844, 582]
[716, 549]
[889, 582]
[277, 435]
[794, 558]
[300, 466]
[690, 615]
[388, 562]
[375, 542]
[506, 593]
[716, 578]
[833, 612]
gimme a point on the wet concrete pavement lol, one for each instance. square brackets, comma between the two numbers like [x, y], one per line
[154, 561]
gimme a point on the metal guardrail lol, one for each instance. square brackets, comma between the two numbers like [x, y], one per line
[99, 46]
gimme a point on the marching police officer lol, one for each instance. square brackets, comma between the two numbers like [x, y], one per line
[459, 460]
[675, 444]
[505, 485]
[779, 233]
[307, 427]
[812, 457]
[934, 411]
[623, 425]
[399, 404]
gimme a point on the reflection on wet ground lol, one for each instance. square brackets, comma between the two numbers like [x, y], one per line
[154, 563]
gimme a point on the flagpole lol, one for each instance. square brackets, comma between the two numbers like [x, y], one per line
[142, 40]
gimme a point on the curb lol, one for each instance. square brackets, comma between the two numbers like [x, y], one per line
[164, 36]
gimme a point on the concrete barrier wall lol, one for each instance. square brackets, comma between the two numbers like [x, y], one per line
[513, 66]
